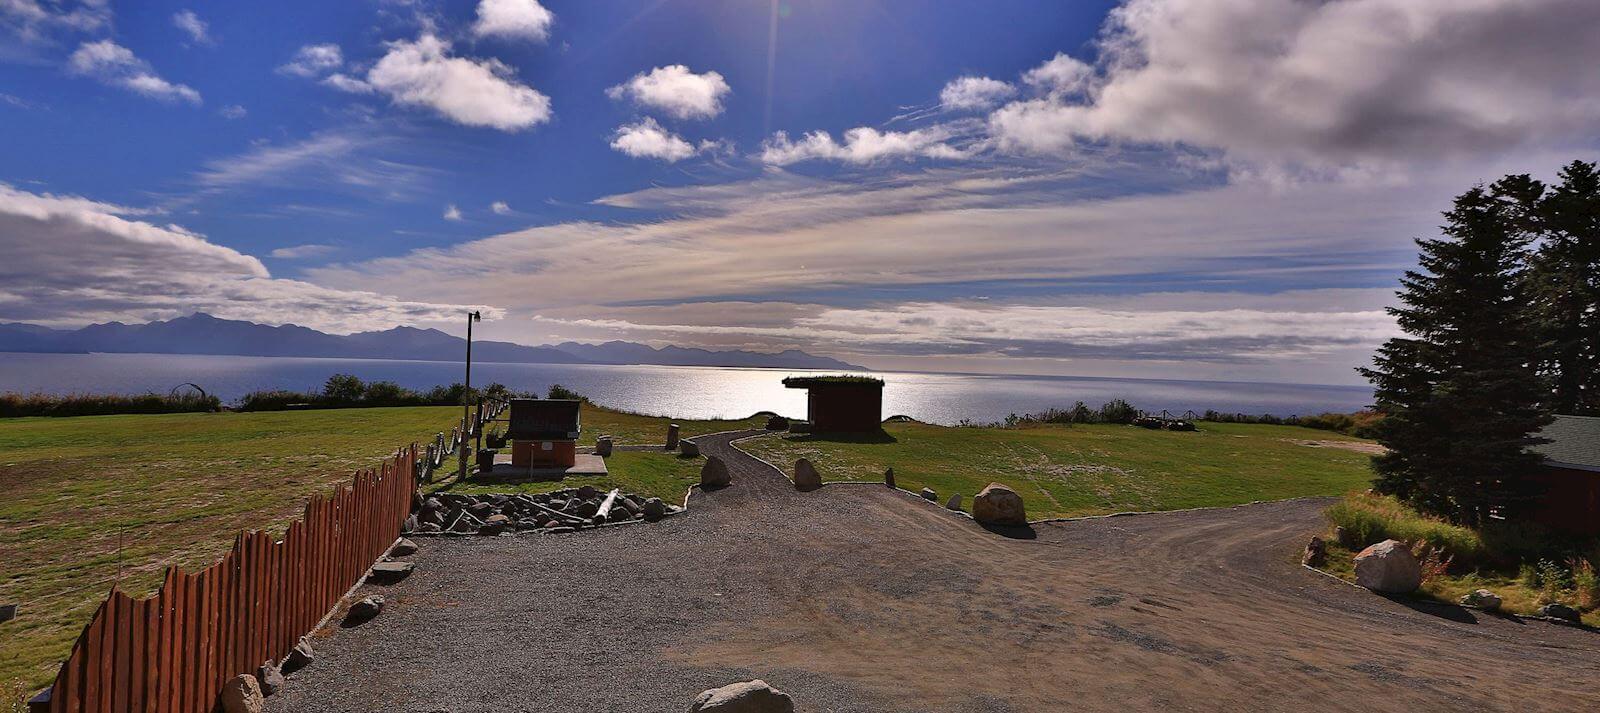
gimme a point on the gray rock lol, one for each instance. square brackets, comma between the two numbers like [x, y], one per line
[689, 449]
[1557, 610]
[929, 495]
[999, 505]
[954, 503]
[747, 697]
[428, 528]
[1388, 567]
[587, 508]
[587, 492]
[603, 446]
[365, 610]
[269, 678]
[495, 525]
[631, 504]
[805, 476]
[242, 694]
[1315, 554]
[654, 509]
[714, 474]
[560, 529]
[390, 572]
[411, 524]
[299, 657]
[403, 548]
[888, 477]
[1481, 599]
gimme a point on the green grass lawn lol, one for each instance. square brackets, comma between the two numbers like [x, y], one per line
[100, 499]
[1063, 471]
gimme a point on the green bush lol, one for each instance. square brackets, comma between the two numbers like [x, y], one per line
[17, 405]
[1368, 519]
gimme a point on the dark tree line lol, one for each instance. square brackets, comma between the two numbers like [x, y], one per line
[1502, 323]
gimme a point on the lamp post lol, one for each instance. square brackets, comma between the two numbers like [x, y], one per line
[466, 413]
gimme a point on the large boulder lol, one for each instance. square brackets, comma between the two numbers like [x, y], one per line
[403, 548]
[242, 694]
[805, 476]
[1388, 567]
[747, 697]
[1316, 553]
[689, 449]
[999, 505]
[714, 474]
[888, 477]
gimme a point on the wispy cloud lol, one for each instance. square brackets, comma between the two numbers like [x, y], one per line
[193, 26]
[116, 65]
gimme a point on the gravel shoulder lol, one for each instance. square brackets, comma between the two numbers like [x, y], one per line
[860, 598]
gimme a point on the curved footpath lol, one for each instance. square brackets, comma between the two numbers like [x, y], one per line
[861, 598]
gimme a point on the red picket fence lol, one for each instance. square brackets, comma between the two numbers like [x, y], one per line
[173, 652]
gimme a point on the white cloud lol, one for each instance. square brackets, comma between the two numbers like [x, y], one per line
[647, 139]
[233, 111]
[351, 160]
[1325, 84]
[862, 145]
[469, 92]
[674, 89]
[451, 212]
[500, 208]
[312, 60]
[524, 19]
[191, 24]
[33, 21]
[142, 271]
[116, 65]
[975, 93]
[1062, 74]
[299, 252]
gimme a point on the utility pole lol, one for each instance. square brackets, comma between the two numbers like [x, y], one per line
[466, 413]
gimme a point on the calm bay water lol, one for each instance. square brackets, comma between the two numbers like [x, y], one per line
[684, 392]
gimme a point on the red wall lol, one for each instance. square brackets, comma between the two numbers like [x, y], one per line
[1571, 501]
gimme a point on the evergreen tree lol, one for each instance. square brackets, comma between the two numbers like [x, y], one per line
[1564, 284]
[1460, 393]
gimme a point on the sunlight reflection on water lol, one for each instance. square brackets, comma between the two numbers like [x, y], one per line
[684, 392]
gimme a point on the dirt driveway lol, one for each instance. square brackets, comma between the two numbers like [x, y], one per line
[858, 598]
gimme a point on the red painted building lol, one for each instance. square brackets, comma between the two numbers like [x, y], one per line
[544, 433]
[841, 404]
[1571, 475]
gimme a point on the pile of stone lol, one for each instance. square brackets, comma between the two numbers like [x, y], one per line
[561, 511]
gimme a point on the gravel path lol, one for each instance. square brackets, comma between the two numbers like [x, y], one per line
[859, 598]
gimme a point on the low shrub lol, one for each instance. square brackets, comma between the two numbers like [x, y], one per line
[18, 405]
[1368, 519]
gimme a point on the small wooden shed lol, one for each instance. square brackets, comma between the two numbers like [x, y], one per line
[1571, 475]
[841, 404]
[544, 433]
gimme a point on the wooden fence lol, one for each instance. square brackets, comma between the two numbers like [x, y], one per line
[172, 652]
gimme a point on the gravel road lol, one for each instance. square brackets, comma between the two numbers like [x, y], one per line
[859, 598]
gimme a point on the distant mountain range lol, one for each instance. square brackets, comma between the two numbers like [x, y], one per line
[204, 334]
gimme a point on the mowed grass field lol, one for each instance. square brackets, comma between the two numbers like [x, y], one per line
[1064, 471]
[96, 500]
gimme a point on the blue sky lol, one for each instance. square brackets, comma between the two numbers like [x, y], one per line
[1175, 188]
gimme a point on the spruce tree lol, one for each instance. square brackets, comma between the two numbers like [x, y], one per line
[1564, 285]
[1460, 393]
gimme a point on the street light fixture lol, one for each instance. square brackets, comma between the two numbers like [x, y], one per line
[466, 413]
